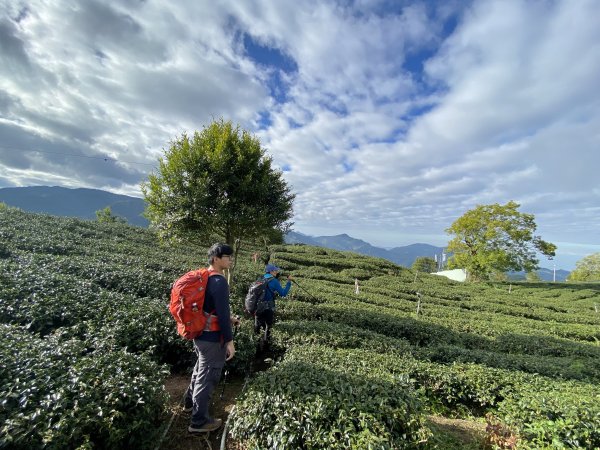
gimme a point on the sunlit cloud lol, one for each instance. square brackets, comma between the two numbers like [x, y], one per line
[388, 120]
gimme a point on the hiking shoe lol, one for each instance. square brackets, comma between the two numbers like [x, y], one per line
[208, 426]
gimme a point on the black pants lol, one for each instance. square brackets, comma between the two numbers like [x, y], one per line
[264, 320]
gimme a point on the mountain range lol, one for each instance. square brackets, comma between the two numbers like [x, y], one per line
[84, 202]
[80, 202]
[404, 256]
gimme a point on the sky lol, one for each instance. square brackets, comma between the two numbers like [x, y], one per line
[389, 119]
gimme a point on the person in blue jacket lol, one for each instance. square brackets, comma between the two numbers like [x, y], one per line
[265, 314]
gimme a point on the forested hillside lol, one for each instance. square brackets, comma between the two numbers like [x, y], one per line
[87, 342]
[79, 202]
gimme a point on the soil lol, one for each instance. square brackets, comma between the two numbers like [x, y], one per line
[459, 433]
[177, 437]
[223, 401]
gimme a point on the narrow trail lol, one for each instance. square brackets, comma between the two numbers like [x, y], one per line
[458, 434]
[223, 401]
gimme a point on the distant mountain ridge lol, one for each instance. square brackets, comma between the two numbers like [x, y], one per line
[545, 274]
[79, 202]
[404, 256]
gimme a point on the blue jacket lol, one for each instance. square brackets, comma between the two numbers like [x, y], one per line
[274, 286]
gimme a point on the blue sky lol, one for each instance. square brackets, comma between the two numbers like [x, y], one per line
[390, 119]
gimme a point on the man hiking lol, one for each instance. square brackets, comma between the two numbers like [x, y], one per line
[265, 314]
[215, 345]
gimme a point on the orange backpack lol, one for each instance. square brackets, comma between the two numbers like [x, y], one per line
[187, 302]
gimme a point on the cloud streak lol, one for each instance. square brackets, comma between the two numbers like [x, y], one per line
[390, 120]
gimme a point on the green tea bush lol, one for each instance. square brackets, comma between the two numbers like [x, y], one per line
[387, 322]
[545, 346]
[555, 367]
[82, 294]
[555, 415]
[305, 333]
[460, 388]
[323, 398]
[360, 274]
[56, 394]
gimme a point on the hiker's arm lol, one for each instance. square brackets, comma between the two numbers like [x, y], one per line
[219, 291]
[282, 291]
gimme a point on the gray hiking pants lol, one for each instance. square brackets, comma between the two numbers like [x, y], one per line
[206, 376]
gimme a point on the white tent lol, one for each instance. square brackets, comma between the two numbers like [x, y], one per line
[456, 274]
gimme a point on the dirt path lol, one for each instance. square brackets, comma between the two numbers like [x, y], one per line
[449, 434]
[458, 434]
[178, 437]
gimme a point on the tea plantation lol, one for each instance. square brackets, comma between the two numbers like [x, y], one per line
[86, 342]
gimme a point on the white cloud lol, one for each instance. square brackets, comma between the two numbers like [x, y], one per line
[506, 106]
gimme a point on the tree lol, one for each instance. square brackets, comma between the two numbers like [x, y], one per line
[106, 216]
[218, 182]
[587, 269]
[533, 277]
[425, 264]
[496, 238]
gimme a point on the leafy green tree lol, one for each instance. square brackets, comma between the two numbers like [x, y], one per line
[587, 269]
[218, 182]
[106, 216]
[496, 238]
[533, 277]
[425, 264]
[497, 275]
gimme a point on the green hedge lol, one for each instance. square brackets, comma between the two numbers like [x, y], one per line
[98, 294]
[555, 415]
[57, 394]
[319, 397]
[301, 333]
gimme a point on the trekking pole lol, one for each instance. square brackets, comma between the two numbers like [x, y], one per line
[310, 295]
[235, 329]
[265, 338]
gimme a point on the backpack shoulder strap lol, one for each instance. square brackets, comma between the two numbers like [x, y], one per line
[266, 282]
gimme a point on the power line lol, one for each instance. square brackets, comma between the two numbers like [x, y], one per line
[106, 159]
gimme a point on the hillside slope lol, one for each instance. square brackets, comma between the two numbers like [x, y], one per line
[81, 202]
[352, 370]
[404, 256]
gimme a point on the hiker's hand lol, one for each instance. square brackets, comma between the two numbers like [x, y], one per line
[235, 321]
[290, 278]
[229, 350]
